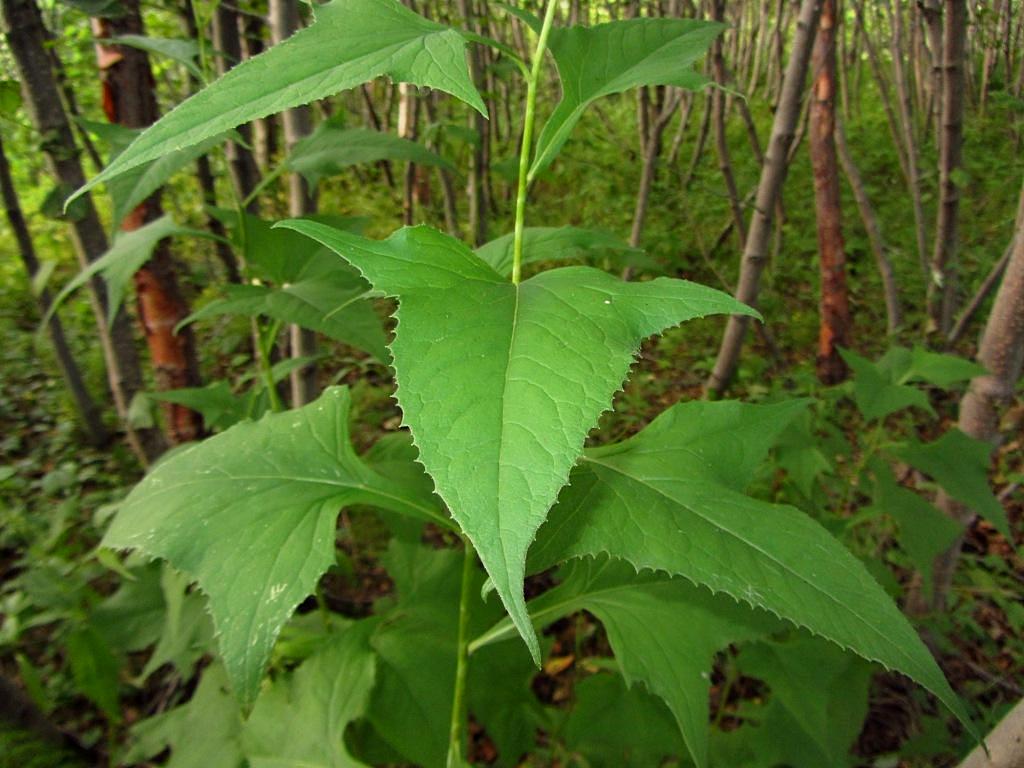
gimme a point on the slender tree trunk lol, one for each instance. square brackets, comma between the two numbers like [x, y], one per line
[893, 314]
[448, 197]
[298, 122]
[27, 40]
[1001, 353]
[264, 129]
[984, 291]
[245, 172]
[698, 145]
[773, 175]
[834, 331]
[476, 188]
[931, 11]
[204, 172]
[718, 121]
[911, 152]
[129, 99]
[649, 171]
[942, 285]
[680, 135]
[88, 410]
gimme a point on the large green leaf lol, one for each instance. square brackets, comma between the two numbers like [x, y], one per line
[132, 618]
[131, 188]
[330, 149]
[815, 708]
[920, 364]
[299, 722]
[664, 632]
[611, 58]
[326, 295]
[663, 500]
[924, 531]
[551, 244]
[500, 383]
[876, 392]
[250, 514]
[187, 633]
[278, 255]
[959, 464]
[613, 726]
[351, 42]
[202, 733]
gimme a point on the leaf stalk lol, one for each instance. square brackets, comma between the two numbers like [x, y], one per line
[457, 727]
[527, 145]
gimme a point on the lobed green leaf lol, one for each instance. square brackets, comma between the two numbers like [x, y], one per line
[500, 383]
[250, 515]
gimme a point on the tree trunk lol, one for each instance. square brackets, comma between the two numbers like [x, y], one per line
[834, 331]
[298, 122]
[649, 171]
[773, 175]
[448, 195]
[92, 418]
[264, 129]
[718, 121]
[204, 172]
[407, 108]
[942, 285]
[27, 39]
[476, 185]
[931, 10]
[1002, 354]
[1005, 743]
[893, 314]
[906, 114]
[245, 173]
[129, 100]
[984, 290]
[698, 145]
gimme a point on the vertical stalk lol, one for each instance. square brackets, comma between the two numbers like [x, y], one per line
[527, 145]
[458, 719]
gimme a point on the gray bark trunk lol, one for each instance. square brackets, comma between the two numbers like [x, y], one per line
[941, 286]
[1005, 743]
[1001, 353]
[298, 122]
[27, 38]
[773, 175]
[893, 314]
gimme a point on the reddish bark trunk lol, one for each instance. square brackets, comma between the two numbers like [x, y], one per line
[834, 303]
[128, 99]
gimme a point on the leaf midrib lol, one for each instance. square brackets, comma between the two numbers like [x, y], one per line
[516, 292]
[873, 630]
[177, 486]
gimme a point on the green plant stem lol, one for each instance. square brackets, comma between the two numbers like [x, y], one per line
[265, 182]
[527, 145]
[267, 336]
[458, 719]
